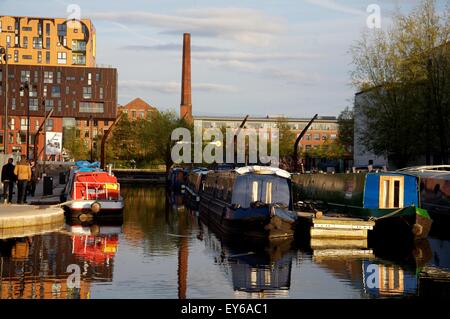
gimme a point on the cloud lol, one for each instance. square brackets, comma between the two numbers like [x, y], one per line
[169, 47]
[289, 76]
[220, 54]
[173, 87]
[335, 6]
[243, 25]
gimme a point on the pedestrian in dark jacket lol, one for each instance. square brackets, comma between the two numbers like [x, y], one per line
[8, 180]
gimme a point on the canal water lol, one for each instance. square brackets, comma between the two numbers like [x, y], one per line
[162, 250]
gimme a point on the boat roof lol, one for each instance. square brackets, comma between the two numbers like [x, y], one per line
[263, 170]
[433, 171]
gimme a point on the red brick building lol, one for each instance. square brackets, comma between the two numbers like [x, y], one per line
[137, 108]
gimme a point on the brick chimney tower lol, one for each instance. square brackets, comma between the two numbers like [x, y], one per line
[186, 92]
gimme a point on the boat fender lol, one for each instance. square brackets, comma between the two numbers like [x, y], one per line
[417, 230]
[84, 217]
[95, 207]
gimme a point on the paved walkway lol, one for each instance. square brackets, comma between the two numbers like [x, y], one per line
[31, 218]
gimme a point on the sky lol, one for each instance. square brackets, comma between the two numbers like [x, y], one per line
[258, 57]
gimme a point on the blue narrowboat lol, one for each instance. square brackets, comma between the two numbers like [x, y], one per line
[392, 199]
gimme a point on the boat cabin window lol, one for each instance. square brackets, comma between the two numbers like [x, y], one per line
[391, 192]
[260, 188]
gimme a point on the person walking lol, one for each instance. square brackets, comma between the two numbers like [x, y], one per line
[23, 173]
[8, 179]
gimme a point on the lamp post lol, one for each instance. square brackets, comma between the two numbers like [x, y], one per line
[4, 56]
[26, 89]
[90, 135]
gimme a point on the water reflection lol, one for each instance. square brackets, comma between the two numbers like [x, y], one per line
[162, 250]
[253, 269]
[40, 266]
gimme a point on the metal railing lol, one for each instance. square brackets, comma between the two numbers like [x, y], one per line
[95, 190]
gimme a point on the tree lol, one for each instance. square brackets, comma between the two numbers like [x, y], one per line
[76, 147]
[156, 134]
[346, 130]
[405, 73]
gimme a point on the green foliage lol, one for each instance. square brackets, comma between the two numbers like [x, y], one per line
[76, 147]
[286, 138]
[346, 130]
[405, 71]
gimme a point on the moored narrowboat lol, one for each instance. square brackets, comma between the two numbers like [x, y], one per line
[392, 199]
[434, 190]
[91, 191]
[177, 179]
[194, 186]
[252, 201]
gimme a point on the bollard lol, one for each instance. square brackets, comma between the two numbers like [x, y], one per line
[48, 185]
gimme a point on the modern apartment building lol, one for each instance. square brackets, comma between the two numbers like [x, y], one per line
[51, 66]
[48, 41]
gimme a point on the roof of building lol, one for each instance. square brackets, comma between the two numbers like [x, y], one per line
[264, 119]
[139, 104]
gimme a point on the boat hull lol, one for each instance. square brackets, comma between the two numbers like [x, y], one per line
[108, 208]
[255, 223]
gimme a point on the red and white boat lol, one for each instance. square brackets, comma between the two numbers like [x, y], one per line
[93, 191]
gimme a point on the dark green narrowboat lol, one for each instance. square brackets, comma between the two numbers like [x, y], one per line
[392, 199]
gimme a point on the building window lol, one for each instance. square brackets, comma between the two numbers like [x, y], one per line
[45, 90]
[141, 114]
[47, 43]
[56, 91]
[47, 57]
[16, 55]
[95, 122]
[25, 42]
[62, 57]
[59, 105]
[24, 76]
[100, 93]
[97, 77]
[37, 43]
[62, 30]
[40, 28]
[74, 104]
[87, 92]
[317, 137]
[67, 90]
[78, 59]
[27, 57]
[48, 105]
[39, 59]
[33, 91]
[13, 103]
[58, 77]
[27, 29]
[8, 41]
[89, 78]
[12, 123]
[133, 114]
[49, 125]
[91, 107]
[106, 123]
[48, 77]
[34, 104]
[78, 45]
[86, 133]
[36, 125]
[47, 29]
[23, 124]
